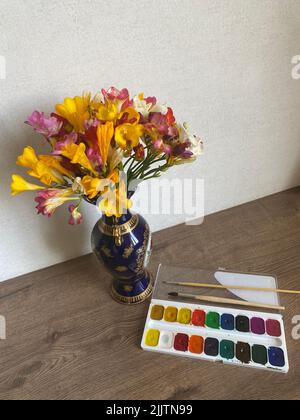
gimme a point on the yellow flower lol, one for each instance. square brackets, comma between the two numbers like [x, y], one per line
[114, 176]
[76, 154]
[132, 116]
[54, 162]
[128, 136]
[107, 112]
[46, 175]
[94, 186]
[105, 134]
[115, 202]
[46, 168]
[19, 185]
[96, 102]
[75, 110]
[28, 159]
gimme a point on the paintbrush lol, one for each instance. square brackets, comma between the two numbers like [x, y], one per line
[226, 301]
[216, 286]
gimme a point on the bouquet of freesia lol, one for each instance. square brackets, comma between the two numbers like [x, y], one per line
[93, 140]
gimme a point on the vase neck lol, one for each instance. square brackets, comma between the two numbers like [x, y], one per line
[111, 221]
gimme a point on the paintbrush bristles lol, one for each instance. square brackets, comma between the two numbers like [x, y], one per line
[173, 294]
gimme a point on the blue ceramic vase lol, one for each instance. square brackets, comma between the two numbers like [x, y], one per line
[124, 245]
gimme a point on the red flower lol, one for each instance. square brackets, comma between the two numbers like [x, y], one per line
[139, 152]
[76, 217]
[49, 200]
[170, 117]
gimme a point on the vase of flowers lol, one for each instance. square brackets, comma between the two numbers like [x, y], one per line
[124, 246]
[101, 148]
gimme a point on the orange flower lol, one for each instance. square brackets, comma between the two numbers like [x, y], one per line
[105, 134]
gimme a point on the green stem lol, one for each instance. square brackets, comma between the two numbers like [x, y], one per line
[131, 174]
[128, 160]
[144, 169]
[151, 177]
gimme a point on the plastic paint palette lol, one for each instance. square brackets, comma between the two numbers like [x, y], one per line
[230, 336]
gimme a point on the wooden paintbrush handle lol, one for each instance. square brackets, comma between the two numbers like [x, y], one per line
[233, 287]
[237, 302]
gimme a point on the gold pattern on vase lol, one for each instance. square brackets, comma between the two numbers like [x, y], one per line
[128, 289]
[140, 264]
[128, 251]
[119, 230]
[106, 251]
[121, 269]
[135, 299]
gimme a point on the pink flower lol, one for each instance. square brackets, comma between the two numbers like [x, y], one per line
[113, 94]
[151, 100]
[49, 200]
[168, 149]
[76, 217]
[92, 124]
[49, 127]
[182, 150]
[173, 132]
[160, 122]
[94, 156]
[158, 144]
[67, 139]
[162, 147]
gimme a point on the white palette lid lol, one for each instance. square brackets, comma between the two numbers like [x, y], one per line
[221, 276]
[252, 280]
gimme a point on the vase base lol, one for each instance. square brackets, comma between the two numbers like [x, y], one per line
[133, 300]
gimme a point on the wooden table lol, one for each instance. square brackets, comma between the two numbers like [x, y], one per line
[68, 340]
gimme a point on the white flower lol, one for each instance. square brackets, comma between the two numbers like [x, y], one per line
[183, 133]
[77, 186]
[163, 109]
[115, 157]
[196, 146]
[144, 107]
[141, 106]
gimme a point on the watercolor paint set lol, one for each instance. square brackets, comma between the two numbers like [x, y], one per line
[215, 333]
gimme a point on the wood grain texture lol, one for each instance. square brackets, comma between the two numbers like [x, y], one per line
[68, 340]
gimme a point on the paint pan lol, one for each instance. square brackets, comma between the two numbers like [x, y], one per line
[230, 336]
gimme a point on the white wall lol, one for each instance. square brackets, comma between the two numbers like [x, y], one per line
[224, 65]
